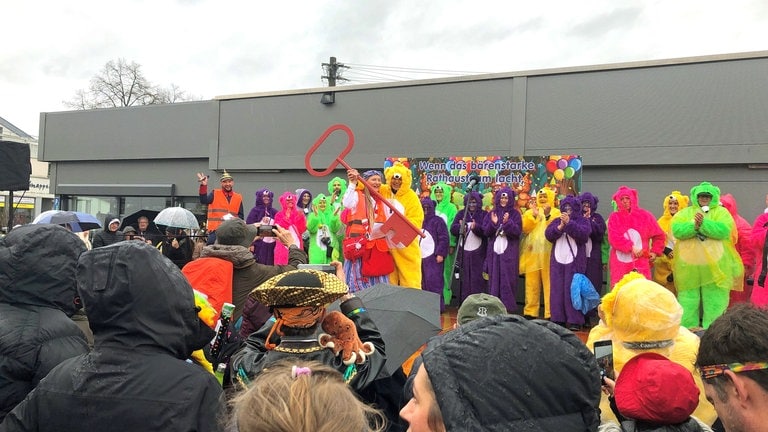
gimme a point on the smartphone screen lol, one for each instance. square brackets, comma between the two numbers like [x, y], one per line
[604, 355]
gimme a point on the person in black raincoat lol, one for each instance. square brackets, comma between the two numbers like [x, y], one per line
[37, 299]
[142, 312]
[110, 234]
[505, 373]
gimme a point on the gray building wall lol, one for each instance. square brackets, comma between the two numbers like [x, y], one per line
[655, 126]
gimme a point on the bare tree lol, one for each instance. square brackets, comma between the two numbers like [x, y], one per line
[122, 84]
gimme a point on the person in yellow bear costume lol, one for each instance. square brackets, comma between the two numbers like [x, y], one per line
[662, 267]
[535, 250]
[398, 192]
[641, 316]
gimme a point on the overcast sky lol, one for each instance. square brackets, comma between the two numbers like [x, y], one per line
[51, 48]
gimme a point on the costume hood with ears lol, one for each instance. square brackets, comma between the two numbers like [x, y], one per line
[138, 299]
[665, 220]
[341, 181]
[591, 199]
[284, 198]
[429, 207]
[405, 173]
[546, 195]
[574, 204]
[706, 187]
[497, 208]
[37, 267]
[474, 195]
[259, 195]
[628, 192]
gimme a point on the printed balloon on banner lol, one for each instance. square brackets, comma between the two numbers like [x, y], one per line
[551, 166]
[575, 163]
[569, 172]
[562, 163]
[559, 174]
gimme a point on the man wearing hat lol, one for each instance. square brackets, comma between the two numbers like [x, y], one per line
[297, 300]
[706, 262]
[223, 204]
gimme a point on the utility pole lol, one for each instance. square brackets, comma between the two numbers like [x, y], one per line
[332, 72]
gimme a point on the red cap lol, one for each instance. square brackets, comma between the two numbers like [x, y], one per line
[655, 389]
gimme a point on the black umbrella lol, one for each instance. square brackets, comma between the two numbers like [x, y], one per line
[405, 317]
[133, 219]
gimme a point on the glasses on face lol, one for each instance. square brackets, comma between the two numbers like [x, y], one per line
[712, 371]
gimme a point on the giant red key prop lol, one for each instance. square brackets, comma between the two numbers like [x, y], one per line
[404, 230]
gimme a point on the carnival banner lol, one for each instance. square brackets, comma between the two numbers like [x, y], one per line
[526, 175]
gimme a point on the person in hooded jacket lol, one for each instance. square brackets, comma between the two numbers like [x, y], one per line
[759, 242]
[503, 226]
[635, 237]
[569, 237]
[706, 262]
[37, 298]
[441, 194]
[434, 249]
[505, 373]
[263, 212]
[473, 245]
[142, 312]
[110, 234]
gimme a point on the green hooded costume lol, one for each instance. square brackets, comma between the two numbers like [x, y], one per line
[447, 211]
[322, 222]
[706, 263]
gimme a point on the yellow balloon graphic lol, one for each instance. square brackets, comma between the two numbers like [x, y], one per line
[559, 174]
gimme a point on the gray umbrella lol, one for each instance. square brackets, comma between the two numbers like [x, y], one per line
[405, 317]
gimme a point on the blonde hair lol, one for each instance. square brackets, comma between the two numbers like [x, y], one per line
[316, 402]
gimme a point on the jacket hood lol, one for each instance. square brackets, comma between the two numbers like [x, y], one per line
[543, 378]
[429, 207]
[497, 199]
[591, 199]
[258, 196]
[628, 192]
[706, 187]
[299, 202]
[729, 202]
[137, 298]
[37, 267]
[107, 219]
[399, 168]
[341, 181]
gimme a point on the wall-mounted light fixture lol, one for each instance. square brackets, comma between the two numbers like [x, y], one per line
[328, 98]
